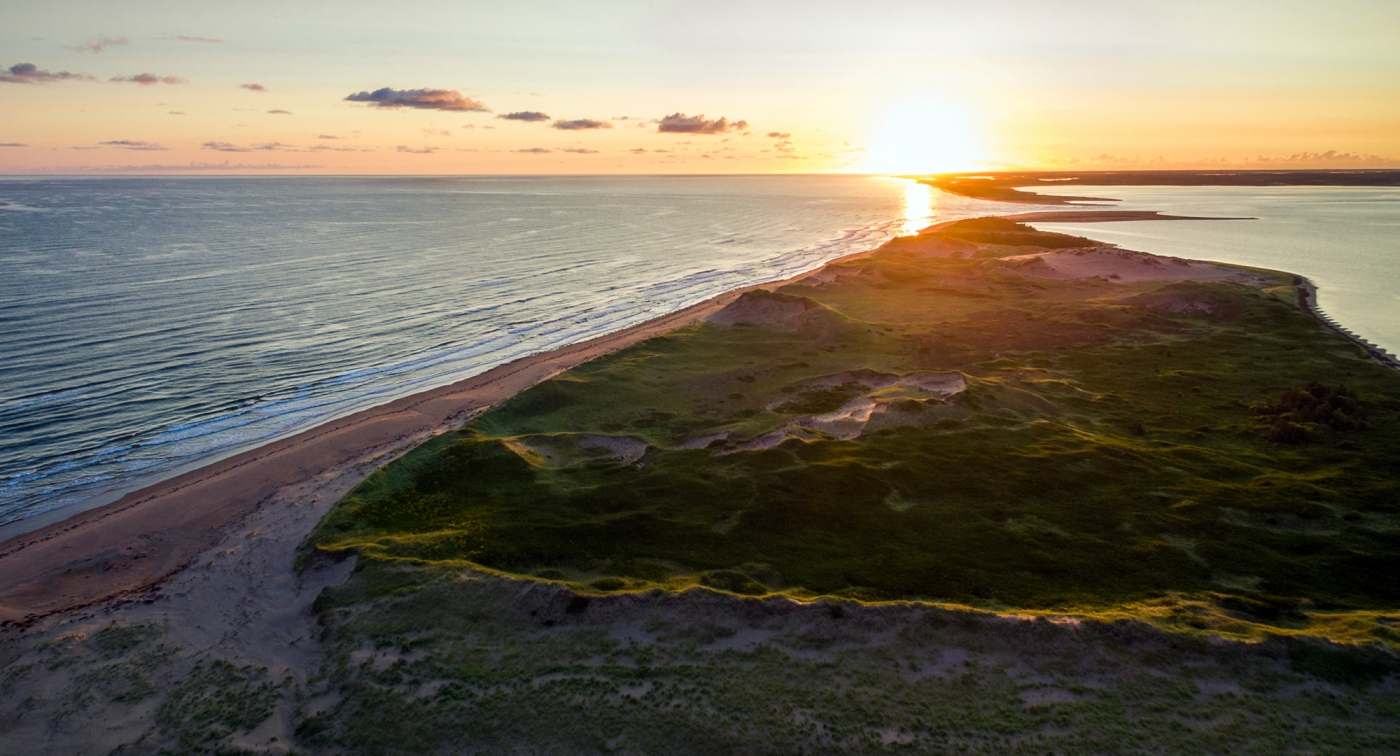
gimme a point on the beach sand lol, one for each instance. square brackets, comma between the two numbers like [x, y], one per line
[128, 547]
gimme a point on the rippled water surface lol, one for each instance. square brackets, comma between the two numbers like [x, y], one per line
[148, 325]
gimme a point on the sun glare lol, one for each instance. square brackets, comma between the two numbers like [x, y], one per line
[918, 206]
[923, 137]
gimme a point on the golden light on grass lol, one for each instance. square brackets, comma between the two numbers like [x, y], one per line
[923, 136]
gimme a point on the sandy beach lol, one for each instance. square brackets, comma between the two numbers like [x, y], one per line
[128, 547]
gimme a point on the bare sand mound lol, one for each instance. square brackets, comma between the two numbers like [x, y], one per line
[564, 449]
[1120, 265]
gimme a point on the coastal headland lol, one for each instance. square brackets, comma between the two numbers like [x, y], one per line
[984, 488]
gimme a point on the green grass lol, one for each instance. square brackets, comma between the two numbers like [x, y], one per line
[1110, 454]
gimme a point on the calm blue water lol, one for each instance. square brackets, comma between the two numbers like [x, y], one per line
[148, 325]
[1346, 239]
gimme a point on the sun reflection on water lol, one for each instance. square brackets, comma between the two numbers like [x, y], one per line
[918, 207]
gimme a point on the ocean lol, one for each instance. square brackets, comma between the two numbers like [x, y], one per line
[152, 325]
[1346, 239]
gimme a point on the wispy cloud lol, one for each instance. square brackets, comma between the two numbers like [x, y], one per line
[530, 116]
[680, 123]
[28, 73]
[437, 132]
[177, 112]
[225, 147]
[637, 151]
[254, 87]
[329, 136]
[12, 144]
[101, 43]
[580, 151]
[333, 148]
[580, 124]
[187, 38]
[410, 150]
[279, 111]
[274, 147]
[535, 151]
[147, 79]
[422, 99]
[131, 144]
[780, 135]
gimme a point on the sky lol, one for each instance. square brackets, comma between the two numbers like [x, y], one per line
[724, 86]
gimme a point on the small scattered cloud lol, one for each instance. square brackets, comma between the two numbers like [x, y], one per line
[637, 151]
[680, 123]
[255, 87]
[131, 144]
[333, 148]
[102, 43]
[580, 151]
[421, 99]
[580, 124]
[28, 73]
[623, 118]
[273, 147]
[225, 147]
[780, 135]
[535, 151]
[187, 38]
[329, 136]
[437, 132]
[529, 116]
[469, 126]
[147, 79]
[12, 144]
[424, 151]
[177, 112]
[279, 111]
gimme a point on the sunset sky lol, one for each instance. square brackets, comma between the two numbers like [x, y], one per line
[712, 87]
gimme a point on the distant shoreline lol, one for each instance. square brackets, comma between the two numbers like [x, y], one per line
[1009, 186]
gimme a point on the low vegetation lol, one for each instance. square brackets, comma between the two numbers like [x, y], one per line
[935, 430]
[1114, 444]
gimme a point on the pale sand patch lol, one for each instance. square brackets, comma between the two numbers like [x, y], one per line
[564, 449]
[1122, 266]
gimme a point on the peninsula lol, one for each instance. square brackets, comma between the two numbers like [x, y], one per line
[985, 488]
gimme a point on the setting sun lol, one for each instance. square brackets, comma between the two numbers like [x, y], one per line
[923, 137]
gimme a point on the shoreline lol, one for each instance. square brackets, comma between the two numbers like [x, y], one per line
[130, 546]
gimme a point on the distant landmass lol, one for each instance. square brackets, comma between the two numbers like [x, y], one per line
[1001, 186]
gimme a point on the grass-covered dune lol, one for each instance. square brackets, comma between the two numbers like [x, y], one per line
[983, 414]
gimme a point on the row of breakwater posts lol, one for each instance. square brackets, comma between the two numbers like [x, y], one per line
[1307, 299]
